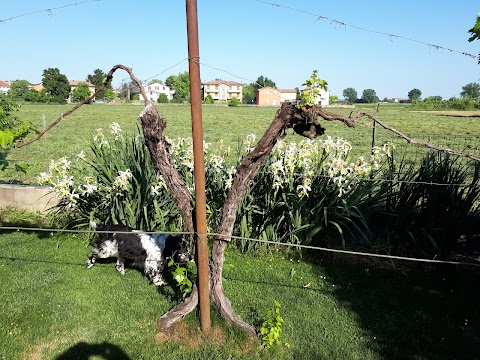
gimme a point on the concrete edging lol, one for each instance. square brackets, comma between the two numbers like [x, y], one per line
[25, 197]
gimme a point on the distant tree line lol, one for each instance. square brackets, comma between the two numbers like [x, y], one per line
[56, 88]
[470, 92]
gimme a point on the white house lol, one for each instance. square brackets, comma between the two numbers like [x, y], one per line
[4, 87]
[323, 98]
[154, 90]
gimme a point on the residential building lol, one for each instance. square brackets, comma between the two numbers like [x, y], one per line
[269, 96]
[323, 98]
[37, 87]
[154, 90]
[75, 83]
[4, 87]
[223, 90]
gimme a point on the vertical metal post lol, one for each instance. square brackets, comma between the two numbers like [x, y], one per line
[199, 166]
[374, 133]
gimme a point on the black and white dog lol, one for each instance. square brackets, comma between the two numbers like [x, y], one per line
[135, 247]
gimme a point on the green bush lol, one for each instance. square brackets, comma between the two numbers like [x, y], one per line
[234, 101]
[311, 193]
[115, 183]
[209, 99]
[163, 99]
[427, 207]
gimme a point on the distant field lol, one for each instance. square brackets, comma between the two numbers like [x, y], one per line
[457, 131]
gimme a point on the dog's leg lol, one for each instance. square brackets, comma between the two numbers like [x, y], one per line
[91, 260]
[120, 266]
[153, 272]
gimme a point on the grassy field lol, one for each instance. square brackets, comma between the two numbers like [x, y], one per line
[231, 124]
[333, 308]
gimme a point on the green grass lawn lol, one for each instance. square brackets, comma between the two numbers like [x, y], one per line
[231, 124]
[334, 308]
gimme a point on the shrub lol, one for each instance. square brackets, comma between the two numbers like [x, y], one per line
[209, 99]
[427, 207]
[310, 193]
[116, 183]
[163, 99]
[234, 101]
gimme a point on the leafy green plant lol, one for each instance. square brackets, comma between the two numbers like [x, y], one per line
[113, 183]
[312, 192]
[234, 101]
[179, 274]
[272, 327]
[427, 208]
[313, 86]
[11, 130]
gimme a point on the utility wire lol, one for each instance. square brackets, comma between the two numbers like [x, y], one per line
[49, 11]
[341, 23]
[223, 237]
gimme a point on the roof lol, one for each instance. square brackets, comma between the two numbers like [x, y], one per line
[268, 88]
[287, 90]
[220, 82]
[76, 82]
[4, 83]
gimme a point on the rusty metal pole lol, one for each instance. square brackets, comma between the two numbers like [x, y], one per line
[199, 166]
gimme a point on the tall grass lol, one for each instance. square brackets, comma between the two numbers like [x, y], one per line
[429, 207]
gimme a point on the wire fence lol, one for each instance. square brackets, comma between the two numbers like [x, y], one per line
[239, 238]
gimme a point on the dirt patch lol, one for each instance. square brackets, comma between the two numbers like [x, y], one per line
[37, 352]
[191, 336]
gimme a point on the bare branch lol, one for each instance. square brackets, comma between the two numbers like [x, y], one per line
[108, 78]
[419, 143]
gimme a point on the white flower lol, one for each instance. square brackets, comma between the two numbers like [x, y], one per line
[217, 162]
[81, 155]
[115, 128]
[87, 189]
[44, 178]
[248, 142]
[122, 180]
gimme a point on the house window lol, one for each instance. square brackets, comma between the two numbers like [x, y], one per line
[216, 87]
[164, 88]
[268, 92]
[238, 87]
[149, 88]
[229, 88]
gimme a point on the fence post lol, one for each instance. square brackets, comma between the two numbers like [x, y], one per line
[374, 134]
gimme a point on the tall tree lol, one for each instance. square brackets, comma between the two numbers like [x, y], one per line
[109, 95]
[475, 31]
[471, 91]
[262, 82]
[128, 89]
[56, 85]
[181, 84]
[369, 96]
[19, 89]
[414, 94]
[248, 92]
[97, 79]
[81, 92]
[155, 81]
[350, 94]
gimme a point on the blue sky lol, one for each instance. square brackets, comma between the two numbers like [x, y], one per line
[241, 40]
